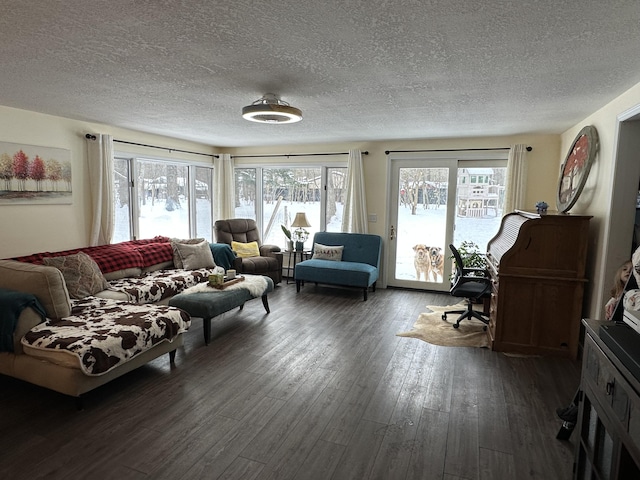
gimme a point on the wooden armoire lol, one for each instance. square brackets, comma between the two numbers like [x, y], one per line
[537, 267]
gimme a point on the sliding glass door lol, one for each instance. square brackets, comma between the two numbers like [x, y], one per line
[436, 202]
[421, 225]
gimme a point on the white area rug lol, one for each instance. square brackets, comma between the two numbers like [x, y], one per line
[432, 329]
[255, 284]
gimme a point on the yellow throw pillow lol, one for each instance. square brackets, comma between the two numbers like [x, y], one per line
[246, 250]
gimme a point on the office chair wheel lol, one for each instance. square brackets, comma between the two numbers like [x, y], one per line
[455, 325]
[444, 317]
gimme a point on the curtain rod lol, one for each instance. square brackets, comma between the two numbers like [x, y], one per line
[387, 152]
[170, 150]
[293, 155]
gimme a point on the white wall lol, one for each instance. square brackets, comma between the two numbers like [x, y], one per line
[26, 229]
[596, 197]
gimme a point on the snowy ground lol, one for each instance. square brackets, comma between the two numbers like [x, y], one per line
[426, 227]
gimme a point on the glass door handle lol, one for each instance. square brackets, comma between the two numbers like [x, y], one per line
[393, 232]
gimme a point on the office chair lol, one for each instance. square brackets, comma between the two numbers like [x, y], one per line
[471, 287]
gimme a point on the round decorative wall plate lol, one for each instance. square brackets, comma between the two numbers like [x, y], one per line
[575, 168]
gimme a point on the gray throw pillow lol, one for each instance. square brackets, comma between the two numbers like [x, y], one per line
[195, 256]
[81, 274]
[177, 259]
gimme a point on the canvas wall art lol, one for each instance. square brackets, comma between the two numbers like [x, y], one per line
[31, 174]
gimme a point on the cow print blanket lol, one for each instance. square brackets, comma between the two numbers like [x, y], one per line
[106, 333]
[155, 286]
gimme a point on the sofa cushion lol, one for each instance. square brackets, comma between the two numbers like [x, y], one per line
[327, 252]
[155, 286]
[246, 250]
[351, 274]
[46, 283]
[358, 247]
[159, 266]
[124, 273]
[102, 334]
[195, 256]
[81, 274]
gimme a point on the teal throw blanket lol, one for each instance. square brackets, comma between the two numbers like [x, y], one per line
[12, 304]
[223, 255]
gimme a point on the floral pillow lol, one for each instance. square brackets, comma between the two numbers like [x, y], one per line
[327, 252]
[81, 274]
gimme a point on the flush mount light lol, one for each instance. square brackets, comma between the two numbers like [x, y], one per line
[270, 109]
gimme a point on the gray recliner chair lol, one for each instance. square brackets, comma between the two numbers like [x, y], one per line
[245, 230]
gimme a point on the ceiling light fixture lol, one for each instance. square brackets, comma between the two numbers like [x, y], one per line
[270, 109]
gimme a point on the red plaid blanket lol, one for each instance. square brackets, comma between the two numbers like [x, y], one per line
[117, 256]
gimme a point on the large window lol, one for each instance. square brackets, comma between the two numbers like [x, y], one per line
[123, 228]
[203, 188]
[160, 197]
[164, 198]
[283, 191]
[245, 193]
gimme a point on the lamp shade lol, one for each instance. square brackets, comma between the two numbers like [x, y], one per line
[300, 220]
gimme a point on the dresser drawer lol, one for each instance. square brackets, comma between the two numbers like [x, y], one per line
[611, 389]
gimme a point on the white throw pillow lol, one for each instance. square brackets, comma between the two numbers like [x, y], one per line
[327, 252]
[194, 256]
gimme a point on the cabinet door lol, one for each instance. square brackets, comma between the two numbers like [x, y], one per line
[609, 422]
[539, 317]
[597, 448]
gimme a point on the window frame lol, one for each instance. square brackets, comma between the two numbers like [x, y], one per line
[261, 166]
[132, 172]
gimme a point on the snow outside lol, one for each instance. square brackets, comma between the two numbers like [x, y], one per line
[427, 226]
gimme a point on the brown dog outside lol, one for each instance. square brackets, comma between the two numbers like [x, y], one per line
[428, 261]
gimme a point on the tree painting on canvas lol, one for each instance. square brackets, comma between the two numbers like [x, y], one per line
[32, 174]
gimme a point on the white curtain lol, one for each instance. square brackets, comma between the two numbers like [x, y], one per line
[354, 216]
[100, 158]
[516, 190]
[224, 187]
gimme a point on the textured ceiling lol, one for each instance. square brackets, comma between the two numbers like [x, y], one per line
[358, 69]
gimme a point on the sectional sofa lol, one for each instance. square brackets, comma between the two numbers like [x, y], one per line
[74, 320]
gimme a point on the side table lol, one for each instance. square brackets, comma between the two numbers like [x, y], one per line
[295, 256]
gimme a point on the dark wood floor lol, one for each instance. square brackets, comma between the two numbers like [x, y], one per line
[321, 388]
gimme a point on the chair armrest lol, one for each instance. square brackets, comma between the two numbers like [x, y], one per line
[269, 250]
[237, 264]
[278, 255]
[467, 270]
[469, 279]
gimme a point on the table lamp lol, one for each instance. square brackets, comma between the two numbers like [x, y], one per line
[300, 234]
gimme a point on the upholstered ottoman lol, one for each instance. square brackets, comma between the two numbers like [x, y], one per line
[207, 302]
